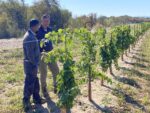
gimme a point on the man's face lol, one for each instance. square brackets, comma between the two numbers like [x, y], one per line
[46, 22]
[36, 28]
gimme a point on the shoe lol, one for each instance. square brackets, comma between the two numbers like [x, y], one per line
[26, 106]
[45, 93]
[40, 101]
[46, 96]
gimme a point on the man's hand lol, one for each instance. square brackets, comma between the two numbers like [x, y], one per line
[44, 55]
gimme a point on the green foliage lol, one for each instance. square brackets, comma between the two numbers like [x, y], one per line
[123, 37]
[88, 49]
[114, 53]
[103, 76]
[12, 19]
[88, 61]
[106, 57]
[67, 87]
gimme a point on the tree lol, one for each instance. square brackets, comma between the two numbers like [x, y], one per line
[3, 26]
[16, 12]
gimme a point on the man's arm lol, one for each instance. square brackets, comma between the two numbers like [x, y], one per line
[30, 50]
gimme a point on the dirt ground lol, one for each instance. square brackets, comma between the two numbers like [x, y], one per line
[10, 43]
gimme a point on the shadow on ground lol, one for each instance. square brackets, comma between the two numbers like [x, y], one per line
[135, 72]
[127, 98]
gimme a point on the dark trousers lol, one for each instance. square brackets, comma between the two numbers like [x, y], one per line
[31, 83]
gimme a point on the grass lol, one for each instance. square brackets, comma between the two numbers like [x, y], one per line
[11, 78]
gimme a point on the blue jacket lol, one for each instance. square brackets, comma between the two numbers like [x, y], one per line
[31, 48]
[41, 35]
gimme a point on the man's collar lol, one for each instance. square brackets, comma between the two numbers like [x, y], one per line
[45, 29]
[32, 31]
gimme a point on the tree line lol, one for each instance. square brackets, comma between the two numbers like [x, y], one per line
[15, 15]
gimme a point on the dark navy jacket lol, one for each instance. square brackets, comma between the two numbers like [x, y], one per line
[31, 49]
[41, 35]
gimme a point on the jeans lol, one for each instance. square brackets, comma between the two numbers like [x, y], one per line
[31, 83]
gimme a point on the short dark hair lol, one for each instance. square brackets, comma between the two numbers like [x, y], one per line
[45, 16]
[34, 22]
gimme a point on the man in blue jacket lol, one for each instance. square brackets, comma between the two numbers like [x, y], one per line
[31, 62]
[44, 29]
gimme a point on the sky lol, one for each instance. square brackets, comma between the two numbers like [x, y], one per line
[106, 7]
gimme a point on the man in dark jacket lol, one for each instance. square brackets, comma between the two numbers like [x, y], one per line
[44, 29]
[31, 62]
